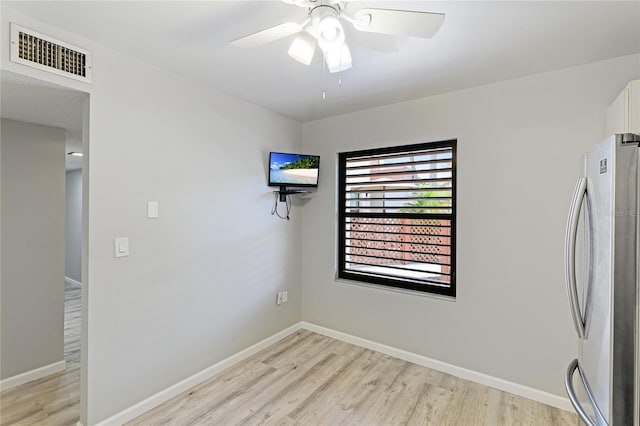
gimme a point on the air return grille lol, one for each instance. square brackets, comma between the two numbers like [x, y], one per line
[45, 53]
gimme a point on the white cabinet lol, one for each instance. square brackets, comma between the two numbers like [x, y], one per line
[623, 115]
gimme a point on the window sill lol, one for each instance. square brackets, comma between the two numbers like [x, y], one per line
[395, 289]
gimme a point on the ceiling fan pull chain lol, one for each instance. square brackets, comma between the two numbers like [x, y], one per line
[340, 76]
[324, 77]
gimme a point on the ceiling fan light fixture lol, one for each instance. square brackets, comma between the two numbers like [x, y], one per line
[338, 59]
[330, 33]
[303, 47]
[323, 26]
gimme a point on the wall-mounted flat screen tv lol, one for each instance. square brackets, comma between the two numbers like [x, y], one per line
[293, 169]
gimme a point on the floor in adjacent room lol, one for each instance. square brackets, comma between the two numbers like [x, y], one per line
[305, 379]
[55, 399]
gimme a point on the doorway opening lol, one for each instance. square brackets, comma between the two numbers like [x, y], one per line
[43, 226]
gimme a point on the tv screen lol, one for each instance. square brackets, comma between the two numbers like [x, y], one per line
[293, 169]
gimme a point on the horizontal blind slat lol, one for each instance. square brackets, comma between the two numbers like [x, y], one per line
[396, 181]
[393, 190]
[398, 267]
[408, 210]
[412, 225]
[369, 233]
[397, 259]
[405, 154]
[401, 173]
[439, 251]
[390, 165]
[394, 199]
[412, 216]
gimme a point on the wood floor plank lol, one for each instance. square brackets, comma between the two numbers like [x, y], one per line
[331, 393]
[494, 408]
[290, 356]
[279, 405]
[562, 417]
[298, 377]
[207, 396]
[412, 396]
[432, 406]
[473, 407]
[360, 392]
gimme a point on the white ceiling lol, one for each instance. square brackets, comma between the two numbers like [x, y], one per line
[479, 43]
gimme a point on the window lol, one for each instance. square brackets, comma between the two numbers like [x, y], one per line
[397, 214]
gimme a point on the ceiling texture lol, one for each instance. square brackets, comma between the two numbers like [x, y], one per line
[36, 101]
[479, 43]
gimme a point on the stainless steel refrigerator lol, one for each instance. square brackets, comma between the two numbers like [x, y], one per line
[604, 297]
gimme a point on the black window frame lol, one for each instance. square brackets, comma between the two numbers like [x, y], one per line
[389, 281]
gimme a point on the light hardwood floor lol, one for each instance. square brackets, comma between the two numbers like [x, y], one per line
[305, 379]
[55, 399]
[309, 379]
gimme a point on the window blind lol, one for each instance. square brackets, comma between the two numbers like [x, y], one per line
[397, 216]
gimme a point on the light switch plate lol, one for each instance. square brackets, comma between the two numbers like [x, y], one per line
[121, 246]
[152, 209]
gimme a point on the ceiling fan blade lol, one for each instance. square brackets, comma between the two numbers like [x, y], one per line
[267, 36]
[398, 22]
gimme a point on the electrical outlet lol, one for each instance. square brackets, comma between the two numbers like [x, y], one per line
[285, 296]
[279, 299]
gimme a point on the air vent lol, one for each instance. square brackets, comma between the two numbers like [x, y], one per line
[48, 54]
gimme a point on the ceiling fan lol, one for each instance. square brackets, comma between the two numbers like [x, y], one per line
[323, 26]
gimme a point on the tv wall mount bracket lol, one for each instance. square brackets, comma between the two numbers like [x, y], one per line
[283, 192]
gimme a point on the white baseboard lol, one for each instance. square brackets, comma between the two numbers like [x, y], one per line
[186, 384]
[38, 373]
[454, 370]
[72, 281]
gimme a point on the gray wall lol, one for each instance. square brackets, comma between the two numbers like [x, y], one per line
[32, 265]
[201, 281]
[73, 225]
[519, 150]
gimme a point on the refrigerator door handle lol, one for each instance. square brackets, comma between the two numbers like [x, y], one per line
[570, 255]
[568, 384]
